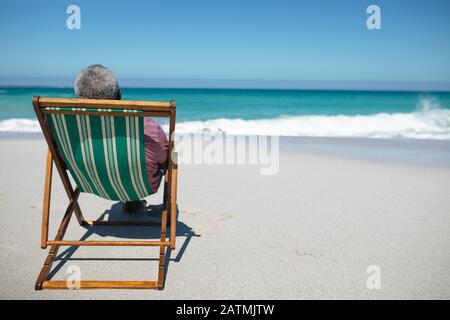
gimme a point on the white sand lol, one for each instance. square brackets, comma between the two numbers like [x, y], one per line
[309, 232]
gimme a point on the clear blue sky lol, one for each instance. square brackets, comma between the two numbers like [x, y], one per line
[244, 42]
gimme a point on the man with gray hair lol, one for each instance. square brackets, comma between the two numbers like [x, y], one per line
[98, 82]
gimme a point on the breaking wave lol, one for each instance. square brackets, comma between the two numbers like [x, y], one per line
[428, 122]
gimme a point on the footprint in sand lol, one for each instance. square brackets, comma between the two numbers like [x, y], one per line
[192, 213]
[224, 217]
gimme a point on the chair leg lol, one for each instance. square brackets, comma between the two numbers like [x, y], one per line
[59, 236]
[162, 249]
[47, 196]
[173, 206]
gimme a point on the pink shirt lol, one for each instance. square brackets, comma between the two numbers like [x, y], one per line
[156, 146]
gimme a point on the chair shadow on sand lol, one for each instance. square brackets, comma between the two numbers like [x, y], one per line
[150, 215]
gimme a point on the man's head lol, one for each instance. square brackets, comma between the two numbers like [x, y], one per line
[97, 82]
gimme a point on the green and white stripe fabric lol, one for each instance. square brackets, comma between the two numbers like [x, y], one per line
[104, 154]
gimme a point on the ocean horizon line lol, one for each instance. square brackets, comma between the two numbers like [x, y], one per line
[238, 89]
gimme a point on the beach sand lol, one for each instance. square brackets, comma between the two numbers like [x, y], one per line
[336, 207]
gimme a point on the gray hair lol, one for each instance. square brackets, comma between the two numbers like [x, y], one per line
[97, 82]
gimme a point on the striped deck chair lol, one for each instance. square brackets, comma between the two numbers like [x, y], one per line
[101, 144]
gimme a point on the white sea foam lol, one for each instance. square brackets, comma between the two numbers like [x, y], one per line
[19, 125]
[428, 122]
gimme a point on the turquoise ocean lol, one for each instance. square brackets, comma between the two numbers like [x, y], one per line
[310, 113]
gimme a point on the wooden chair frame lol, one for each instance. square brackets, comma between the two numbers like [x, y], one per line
[146, 109]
